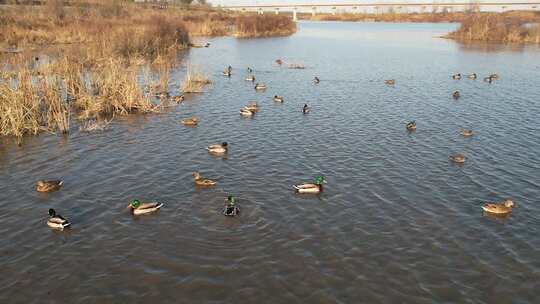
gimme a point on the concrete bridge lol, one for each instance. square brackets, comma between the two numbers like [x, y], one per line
[381, 7]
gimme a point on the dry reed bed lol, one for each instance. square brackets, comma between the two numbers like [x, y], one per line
[499, 27]
[391, 17]
[263, 26]
[195, 81]
[102, 79]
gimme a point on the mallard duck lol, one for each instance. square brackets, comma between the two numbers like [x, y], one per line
[218, 149]
[48, 186]
[253, 106]
[315, 187]
[305, 109]
[199, 181]
[246, 112]
[178, 98]
[456, 76]
[466, 133]
[472, 76]
[192, 121]
[316, 79]
[231, 209]
[278, 98]
[411, 126]
[456, 95]
[390, 81]
[488, 79]
[250, 78]
[207, 44]
[57, 221]
[260, 86]
[227, 74]
[501, 208]
[494, 76]
[249, 70]
[457, 158]
[138, 208]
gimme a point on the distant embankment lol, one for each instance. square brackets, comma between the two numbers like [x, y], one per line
[505, 27]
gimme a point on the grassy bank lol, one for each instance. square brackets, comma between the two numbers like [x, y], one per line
[390, 17]
[119, 22]
[521, 28]
[109, 58]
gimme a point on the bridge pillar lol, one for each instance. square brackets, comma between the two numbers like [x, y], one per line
[294, 17]
[313, 11]
[277, 11]
[260, 12]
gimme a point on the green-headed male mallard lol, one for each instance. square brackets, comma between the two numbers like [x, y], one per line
[231, 209]
[56, 220]
[315, 187]
[218, 149]
[138, 208]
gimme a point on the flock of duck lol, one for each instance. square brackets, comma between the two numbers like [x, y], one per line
[231, 208]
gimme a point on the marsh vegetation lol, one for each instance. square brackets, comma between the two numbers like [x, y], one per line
[105, 58]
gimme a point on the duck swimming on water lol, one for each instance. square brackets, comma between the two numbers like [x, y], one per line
[456, 76]
[228, 71]
[178, 98]
[278, 98]
[138, 208]
[253, 106]
[501, 208]
[250, 78]
[456, 95]
[192, 121]
[315, 187]
[305, 109]
[472, 76]
[411, 126]
[457, 158]
[218, 149]
[316, 80]
[260, 87]
[203, 182]
[48, 186]
[231, 209]
[245, 111]
[467, 133]
[57, 221]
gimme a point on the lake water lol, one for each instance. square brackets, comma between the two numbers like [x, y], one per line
[397, 222]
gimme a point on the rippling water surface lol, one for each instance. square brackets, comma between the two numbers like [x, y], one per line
[397, 222]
